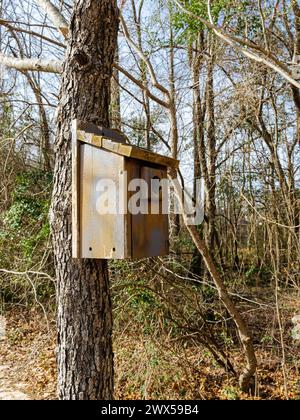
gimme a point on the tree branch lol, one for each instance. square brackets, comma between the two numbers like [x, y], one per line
[55, 16]
[276, 65]
[10, 27]
[142, 86]
[31, 64]
[235, 43]
[142, 56]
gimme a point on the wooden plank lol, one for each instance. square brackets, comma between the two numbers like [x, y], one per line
[139, 153]
[75, 193]
[150, 232]
[126, 150]
[89, 138]
[117, 142]
[133, 172]
[118, 148]
[101, 131]
[102, 235]
[147, 156]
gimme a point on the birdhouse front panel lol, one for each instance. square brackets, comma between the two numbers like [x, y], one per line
[102, 230]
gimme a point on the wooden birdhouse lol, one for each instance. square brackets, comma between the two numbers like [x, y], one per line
[106, 171]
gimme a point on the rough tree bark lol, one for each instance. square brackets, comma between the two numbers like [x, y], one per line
[85, 357]
[115, 102]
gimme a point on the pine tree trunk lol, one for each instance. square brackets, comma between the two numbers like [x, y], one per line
[85, 357]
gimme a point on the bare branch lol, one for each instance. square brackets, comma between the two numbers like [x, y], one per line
[27, 275]
[29, 272]
[277, 67]
[236, 44]
[31, 64]
[274, 222]
[9, 26]
[142, 56]
[55, 16]
[142, 86]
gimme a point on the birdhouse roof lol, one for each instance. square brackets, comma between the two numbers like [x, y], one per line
[116, 142]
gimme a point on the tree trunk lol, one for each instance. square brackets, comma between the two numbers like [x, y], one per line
[212, 153]
[45, 146]
[137, 15]
[175, 222]
[199, 111]
[85, 357]
[115, 105]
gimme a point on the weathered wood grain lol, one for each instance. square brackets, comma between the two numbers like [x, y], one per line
[150, 232]
[102, 235]
[124, 149]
